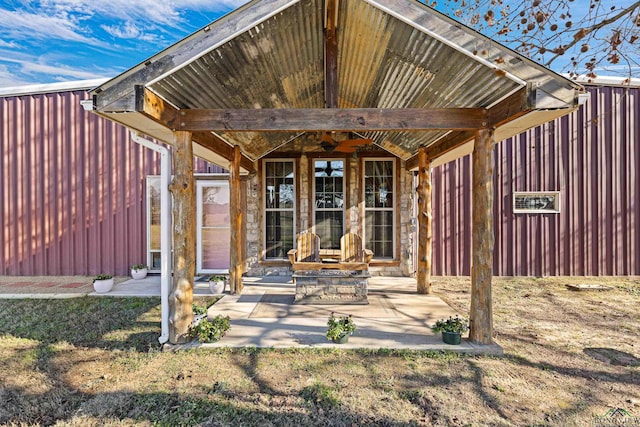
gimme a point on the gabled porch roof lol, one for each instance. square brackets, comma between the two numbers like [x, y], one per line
[395, 71]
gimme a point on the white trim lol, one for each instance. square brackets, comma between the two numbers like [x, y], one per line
[556, 204]
[263, 202]
[345, 182]
[200, 185]
[392, 209]
[605, 80]
[148, 223]
[36, 89]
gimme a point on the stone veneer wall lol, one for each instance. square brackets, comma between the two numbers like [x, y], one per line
[255, 219]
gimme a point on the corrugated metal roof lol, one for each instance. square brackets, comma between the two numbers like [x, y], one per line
[391, 54]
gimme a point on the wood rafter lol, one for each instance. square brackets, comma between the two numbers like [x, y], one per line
[331, 54]
[443, 146]
[510, 108]
[330, 119]
[160, 111]
[219, 146]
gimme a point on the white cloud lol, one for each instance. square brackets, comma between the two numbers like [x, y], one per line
[26, 25]
[30, 68]
[9, 79]
[10, 44]
[130, 31]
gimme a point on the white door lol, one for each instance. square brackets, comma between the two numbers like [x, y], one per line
[213, 227]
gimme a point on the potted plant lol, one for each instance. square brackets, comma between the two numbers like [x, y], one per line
[103, 283]
[216, 284]
[451, 328]
[139, 271]
[340, 328]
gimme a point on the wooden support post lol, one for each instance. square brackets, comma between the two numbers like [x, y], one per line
[481, 315]
[184, 238]
[425, 234]
[235, 211]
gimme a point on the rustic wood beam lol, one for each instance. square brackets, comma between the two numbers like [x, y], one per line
[425, 216]
[333, 119]
[184, 237]
[235, 211]
[481, 315]
[160, 111]
[156, 108]
[219, 146]
[510, 108]
[442, 146]
[331, 54]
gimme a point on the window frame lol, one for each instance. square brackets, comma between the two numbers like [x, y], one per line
[392, 209]
[555, 210]
[293, 209]
[314, 207]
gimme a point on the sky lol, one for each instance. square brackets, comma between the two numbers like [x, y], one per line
[49, 41]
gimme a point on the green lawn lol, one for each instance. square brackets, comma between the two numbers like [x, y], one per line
[569, 357]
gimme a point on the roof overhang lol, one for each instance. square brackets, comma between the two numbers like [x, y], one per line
[394, 71]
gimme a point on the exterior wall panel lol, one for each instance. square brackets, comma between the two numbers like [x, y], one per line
[72, 189]
[592, 157]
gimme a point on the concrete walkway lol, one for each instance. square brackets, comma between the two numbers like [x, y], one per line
[265, 316]
[396, 318]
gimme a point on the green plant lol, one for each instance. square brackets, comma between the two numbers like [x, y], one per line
[340, 326]
[198, 309]
[103, 277]
[217, 278]
[452, 324]
[138, 267]
[210, 330]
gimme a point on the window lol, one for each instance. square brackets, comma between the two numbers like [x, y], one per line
[329, 202]
[379, 230]
[279, 193]
[536, 202]
[153, 222]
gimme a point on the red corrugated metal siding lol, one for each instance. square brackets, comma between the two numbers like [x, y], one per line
[72, 189]
[592, 158]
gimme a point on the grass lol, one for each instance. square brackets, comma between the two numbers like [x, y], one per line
[569, 357]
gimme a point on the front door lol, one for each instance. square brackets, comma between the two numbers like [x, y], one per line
[213, 227]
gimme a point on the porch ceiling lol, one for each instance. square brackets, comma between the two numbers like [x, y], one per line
[390, 55]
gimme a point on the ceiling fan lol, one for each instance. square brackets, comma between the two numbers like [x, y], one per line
[329, 143]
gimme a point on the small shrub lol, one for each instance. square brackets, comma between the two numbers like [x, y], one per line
[210, 330]
[340, 326]
[452, 324]
[103, 277]
[217, 278]
[198, 309]
[137, 267]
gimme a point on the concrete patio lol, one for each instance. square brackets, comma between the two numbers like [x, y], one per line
[396, 318]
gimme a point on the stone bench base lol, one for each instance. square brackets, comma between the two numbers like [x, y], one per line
[331, 287]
